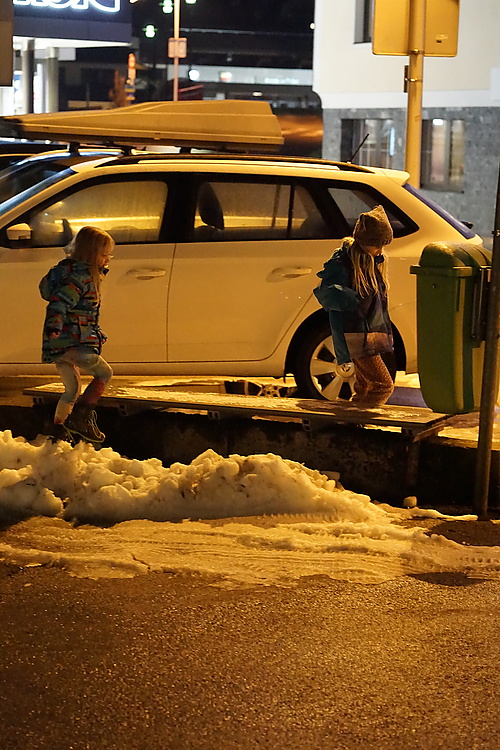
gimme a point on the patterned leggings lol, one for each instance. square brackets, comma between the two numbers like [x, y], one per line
[68, 366]
[373, 382]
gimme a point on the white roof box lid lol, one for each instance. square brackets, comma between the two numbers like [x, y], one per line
[221, 125]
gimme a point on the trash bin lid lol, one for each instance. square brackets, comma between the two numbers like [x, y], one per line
[451, 259]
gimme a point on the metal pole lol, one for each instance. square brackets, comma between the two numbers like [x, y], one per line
[416, 38]
[177, 24]
[28, 72]
[489, 391]
[52, 80]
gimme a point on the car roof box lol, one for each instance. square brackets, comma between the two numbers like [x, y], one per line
[221, 125]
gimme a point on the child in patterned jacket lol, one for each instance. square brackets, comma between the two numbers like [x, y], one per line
[72, 338]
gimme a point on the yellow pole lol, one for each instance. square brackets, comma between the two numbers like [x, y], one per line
[416, 40]
[177, 16]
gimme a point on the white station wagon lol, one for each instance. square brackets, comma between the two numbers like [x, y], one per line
[215, 261]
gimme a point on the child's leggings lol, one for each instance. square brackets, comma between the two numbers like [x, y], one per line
[68, 366]
[373, 381]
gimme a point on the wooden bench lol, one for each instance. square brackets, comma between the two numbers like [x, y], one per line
[314, 415]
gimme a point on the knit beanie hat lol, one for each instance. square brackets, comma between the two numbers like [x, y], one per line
[373, 229]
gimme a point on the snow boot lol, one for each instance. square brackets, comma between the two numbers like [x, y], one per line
[81, 423]
[58, 431]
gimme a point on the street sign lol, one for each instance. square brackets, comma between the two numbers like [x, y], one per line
[391, 28]
[177, 47]
[6, 50]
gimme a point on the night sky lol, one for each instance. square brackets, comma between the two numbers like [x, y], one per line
[287, 16]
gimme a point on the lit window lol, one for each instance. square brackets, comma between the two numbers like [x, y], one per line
[370, 142]
[443, 151]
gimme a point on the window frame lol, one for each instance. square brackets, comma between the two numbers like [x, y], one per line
[426, 179]
[358, 124]
[363, 23]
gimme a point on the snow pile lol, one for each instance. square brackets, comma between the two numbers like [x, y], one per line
[307, 525]
[103, 486]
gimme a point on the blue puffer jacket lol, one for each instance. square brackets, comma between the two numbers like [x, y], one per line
[73, 309]
[360, 325]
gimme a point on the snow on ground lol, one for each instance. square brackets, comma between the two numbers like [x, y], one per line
[98, 514]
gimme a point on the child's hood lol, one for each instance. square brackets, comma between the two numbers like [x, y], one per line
[335, 268]
[60, 274]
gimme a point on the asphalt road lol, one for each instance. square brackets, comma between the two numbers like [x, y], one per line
[165, 662]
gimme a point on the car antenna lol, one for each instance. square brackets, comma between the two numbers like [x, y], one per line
[349, 161]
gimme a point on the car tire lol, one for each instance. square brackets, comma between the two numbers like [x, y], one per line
[315, 367]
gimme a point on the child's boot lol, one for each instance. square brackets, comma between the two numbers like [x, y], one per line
[82, 422]
[58, 432]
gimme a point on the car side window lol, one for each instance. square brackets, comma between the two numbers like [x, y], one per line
[131, 211]
[352, 201]
[232, 211]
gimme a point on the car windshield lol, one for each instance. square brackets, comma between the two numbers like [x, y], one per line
[464, 230]
[32, 188]
[24, 175]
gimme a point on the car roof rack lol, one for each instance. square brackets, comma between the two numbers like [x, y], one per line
[234, 125]
[136, 158]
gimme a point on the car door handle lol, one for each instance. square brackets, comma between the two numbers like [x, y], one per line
[146, 273]
[290, 272]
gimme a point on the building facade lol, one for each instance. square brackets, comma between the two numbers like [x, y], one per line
[364, 103]
[48, 32]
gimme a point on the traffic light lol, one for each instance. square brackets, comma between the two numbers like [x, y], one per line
[150, 31]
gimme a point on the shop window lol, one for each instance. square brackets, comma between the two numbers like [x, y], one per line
[443, 150]
[363, 21]
[371, 142]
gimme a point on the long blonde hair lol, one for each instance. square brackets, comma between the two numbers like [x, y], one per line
[86, 245]
[364, 277]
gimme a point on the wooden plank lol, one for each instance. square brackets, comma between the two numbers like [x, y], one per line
[411, 418]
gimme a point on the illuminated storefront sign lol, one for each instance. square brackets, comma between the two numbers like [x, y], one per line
[109, 6]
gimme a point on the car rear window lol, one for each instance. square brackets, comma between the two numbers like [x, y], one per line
[352, 199]
[464, 230]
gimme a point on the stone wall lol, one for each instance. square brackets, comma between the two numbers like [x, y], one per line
[482, 155]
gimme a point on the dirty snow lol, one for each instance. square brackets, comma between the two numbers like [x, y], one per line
[98, 514]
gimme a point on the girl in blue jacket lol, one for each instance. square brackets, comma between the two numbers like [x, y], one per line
[354, 292]
[72, 338]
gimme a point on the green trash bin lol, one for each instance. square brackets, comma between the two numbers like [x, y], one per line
[452, 287]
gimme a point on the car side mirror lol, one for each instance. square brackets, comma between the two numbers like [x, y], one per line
[19, 232]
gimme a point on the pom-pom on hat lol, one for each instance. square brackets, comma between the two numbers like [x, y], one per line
[373, 229]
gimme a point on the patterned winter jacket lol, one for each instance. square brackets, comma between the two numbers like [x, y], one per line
[73, 309]
[360, 325]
